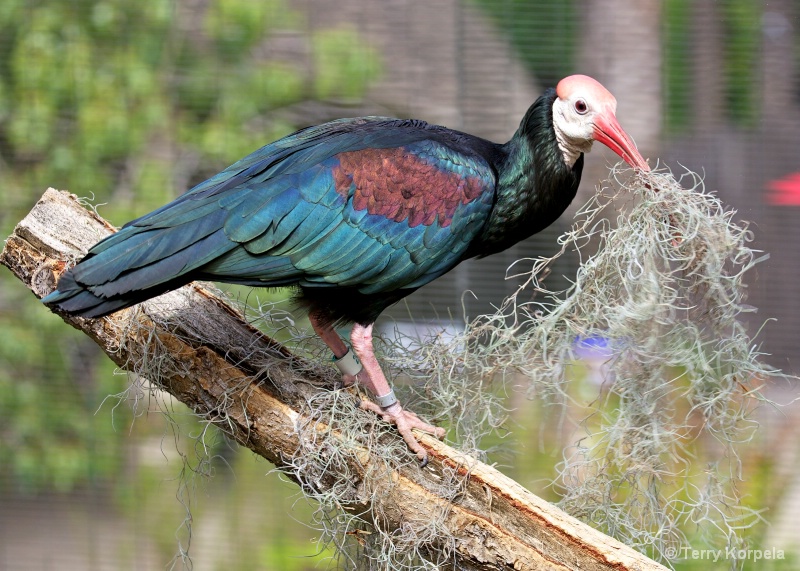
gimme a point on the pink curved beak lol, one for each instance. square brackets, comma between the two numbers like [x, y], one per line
[608, 131]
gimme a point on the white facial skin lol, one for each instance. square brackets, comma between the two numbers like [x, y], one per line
[581, 100]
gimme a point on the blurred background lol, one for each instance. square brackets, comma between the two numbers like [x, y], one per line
[132, 103]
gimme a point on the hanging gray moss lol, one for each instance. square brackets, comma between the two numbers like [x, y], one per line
[659, 305]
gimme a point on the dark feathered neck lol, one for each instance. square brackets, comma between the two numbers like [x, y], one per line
[535, 185]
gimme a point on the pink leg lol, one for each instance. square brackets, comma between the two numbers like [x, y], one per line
[372, 377]
[377, 384]
[335, 344]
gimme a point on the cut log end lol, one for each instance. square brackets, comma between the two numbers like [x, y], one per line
[235, 376]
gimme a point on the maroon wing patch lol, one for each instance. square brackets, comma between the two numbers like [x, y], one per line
[400, 185]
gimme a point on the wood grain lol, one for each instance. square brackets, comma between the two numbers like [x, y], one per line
[230, 373]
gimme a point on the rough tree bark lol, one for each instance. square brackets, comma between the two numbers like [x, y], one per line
[207, 362]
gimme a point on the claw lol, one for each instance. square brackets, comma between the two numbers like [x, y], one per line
[363, 368]
[405, 421]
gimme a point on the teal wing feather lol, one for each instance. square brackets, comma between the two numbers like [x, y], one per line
[376, 205]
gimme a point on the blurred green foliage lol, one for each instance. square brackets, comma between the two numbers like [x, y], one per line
[738, 48]
[742, 25]
[50, 387]
[131, 104]
[544, 34]
[341, 72]
[677, 51]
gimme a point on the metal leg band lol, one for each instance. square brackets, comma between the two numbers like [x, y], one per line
[348, 364]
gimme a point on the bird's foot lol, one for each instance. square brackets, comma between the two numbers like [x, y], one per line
[349, 380]
[405, 421]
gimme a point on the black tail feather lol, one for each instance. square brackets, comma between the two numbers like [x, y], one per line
[73, 298]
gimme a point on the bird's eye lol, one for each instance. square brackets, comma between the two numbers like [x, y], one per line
[581, 107]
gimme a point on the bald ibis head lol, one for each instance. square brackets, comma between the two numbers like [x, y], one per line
[584, 112]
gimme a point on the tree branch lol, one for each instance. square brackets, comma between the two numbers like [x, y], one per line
[200, 350]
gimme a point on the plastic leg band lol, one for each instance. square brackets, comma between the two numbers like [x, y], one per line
[386, 400]
[348, 364]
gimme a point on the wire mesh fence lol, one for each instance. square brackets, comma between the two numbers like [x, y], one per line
[132, 104]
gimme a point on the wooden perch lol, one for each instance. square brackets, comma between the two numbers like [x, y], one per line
[233, 375]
